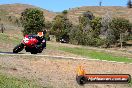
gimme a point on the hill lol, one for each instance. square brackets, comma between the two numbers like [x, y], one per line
[16, 9]
[73, 13]
[115, 11]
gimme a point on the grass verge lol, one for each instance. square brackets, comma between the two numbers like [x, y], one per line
[91, 53]
[12, 82]
[95, 55]
[5, 38]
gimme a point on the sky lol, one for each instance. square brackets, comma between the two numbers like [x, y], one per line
[60, 5]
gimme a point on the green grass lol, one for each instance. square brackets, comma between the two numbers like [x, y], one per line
[12, 82]
[5, 38]
[95, 54]
[130, 83]
[3, 13]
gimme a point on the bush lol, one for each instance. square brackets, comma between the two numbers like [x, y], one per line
[75, 35]
[86, 38]
[85, 19]
[89, 40]
[65, 12]
[47, 37]
[32, 21]
[100, 42]
[89, 15]
[48, 25]
[96, 26]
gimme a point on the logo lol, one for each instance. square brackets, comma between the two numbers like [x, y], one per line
[83, 78]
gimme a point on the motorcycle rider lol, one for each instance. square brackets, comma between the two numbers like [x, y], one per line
[41, 40]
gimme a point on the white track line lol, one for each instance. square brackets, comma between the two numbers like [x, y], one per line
[64, 57]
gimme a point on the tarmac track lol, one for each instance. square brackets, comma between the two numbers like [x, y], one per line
[55, 57]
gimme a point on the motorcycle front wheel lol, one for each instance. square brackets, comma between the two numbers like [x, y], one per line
[18, 48]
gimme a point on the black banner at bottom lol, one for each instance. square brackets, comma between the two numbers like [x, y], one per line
[103, 78]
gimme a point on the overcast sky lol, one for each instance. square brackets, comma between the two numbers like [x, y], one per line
[60, 5]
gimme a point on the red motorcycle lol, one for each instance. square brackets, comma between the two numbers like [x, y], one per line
[32, 44]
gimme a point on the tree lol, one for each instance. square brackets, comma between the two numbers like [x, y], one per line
[76, 36]
[119, 26]
[129, 4]
[84, 20]
[48, 26]
[91, 35]
[96, 26]
[32, 20]
[87, 32]
[110, 38]
[79, 37]
[65, 12]
[60, 27]
[105, 21]
[89, 15]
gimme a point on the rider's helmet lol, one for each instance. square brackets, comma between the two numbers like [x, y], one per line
[40, 34]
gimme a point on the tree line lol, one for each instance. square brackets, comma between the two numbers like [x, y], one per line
[91, 30]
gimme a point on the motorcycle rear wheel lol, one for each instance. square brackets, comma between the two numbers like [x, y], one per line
[34, 51]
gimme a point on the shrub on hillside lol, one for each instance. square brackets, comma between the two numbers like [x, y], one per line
[65, 12]
[85, 19]
[89, 15]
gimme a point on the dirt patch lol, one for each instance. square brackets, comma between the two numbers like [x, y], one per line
[61, 73]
